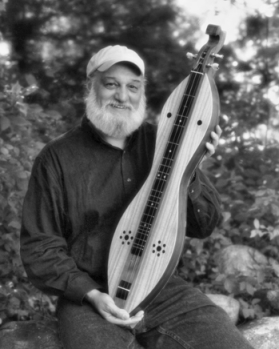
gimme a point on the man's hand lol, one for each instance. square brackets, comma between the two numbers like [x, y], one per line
[211, 147]
[106, 307]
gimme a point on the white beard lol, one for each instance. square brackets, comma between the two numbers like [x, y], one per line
[114, 124]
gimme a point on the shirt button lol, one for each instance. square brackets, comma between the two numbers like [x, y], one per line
[129, 180]
[199, 210]
[193, 191]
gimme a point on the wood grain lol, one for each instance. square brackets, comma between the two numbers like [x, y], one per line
[166, 239]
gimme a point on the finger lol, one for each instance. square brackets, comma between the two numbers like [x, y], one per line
[218, 130]
[214, 138]
[210, 149]
[131, 322]
[118, 312]
[140, 313]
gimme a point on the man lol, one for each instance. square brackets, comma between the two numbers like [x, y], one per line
[80, 185]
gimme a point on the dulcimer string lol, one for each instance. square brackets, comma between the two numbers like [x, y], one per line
[176, 134]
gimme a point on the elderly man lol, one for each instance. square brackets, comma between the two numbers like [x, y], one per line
[80, 185]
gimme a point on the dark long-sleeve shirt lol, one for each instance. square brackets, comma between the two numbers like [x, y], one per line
[79, 188]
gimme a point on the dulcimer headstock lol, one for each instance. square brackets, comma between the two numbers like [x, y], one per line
[204, 60]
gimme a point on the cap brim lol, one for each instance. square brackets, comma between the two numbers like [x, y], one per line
[105, 66]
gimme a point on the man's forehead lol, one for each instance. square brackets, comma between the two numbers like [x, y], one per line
[120, 71]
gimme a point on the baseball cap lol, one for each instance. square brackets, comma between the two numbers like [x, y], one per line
[111, 55]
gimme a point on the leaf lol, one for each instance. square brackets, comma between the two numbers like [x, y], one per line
[229, 285]
[274, 234]
[256, 223]
[18, 120]
[31, 79]
[226, 216]
[2, 7]
[4, 151]
[53, 114]
[23, 174]
[23, 108]
[275, 209]
[247, 313]
[4, 123]
[221, 183]
[260, 192]
[16, 88]
[255, 232]
[250, 289]
[14, 224]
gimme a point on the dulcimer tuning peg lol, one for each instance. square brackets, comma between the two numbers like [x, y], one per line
[190, 55]
[214, 66]
[216, 55]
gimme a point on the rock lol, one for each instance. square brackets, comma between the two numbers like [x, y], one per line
[41, 334]
[263, 333]
[245, 261]
[268, 298]
[229, 304]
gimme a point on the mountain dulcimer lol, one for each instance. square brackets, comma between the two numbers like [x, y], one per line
[149, 238]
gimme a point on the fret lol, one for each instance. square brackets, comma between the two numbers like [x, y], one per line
[141, 241]
[155, 199]
[188, 95]
[164, 168]
[163, 178]
[138, 246]
[151, 211]
[173, 143]
[148, 215]
[196, 72]
[137, 251]
[142, 233]
[156, 192]
[182, 117]
[152, 205]
[144, 226]
[167, 160]
[181, 120]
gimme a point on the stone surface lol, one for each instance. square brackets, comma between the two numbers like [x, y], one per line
[229, 304]
[245, 261]
[263, 333]
[30, 335]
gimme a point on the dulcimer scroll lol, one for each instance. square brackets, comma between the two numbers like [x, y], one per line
[150, 235]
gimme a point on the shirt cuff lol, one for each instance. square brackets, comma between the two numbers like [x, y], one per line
[194, 189]
[79, 286]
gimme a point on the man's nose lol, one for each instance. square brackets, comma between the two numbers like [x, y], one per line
[121, 95]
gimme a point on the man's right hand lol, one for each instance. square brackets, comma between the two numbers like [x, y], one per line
[106, 307]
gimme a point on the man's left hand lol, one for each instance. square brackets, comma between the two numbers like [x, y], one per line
[211, 147]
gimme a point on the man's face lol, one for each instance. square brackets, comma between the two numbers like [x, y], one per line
[116, 102]
[119, 89]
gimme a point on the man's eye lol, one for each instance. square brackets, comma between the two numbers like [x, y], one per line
[110, 85]
[133, 87]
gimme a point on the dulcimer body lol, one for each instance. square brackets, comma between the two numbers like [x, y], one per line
[150, 235]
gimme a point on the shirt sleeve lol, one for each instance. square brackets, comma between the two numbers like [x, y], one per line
[203, 207]
[44, 251]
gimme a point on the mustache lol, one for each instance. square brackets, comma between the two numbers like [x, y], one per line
[120, 105]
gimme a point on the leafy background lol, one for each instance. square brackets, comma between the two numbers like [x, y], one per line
[41, 96]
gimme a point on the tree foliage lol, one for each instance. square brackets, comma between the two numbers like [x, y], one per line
[41, 96]
[55, 39]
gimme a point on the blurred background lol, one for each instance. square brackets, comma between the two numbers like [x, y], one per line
[44, 49]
